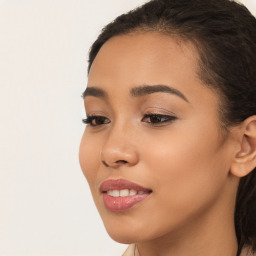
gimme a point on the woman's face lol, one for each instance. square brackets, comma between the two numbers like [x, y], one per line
[154, 134]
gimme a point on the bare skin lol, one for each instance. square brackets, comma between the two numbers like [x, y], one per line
[180, 152]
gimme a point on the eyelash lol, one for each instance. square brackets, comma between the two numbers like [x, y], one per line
[158, 119]
[155, 119]
[100, 120]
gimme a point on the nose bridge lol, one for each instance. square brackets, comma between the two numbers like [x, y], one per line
[119, 147]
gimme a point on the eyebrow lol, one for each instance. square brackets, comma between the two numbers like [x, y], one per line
[94, 91]
[136, 91]
[149, 89]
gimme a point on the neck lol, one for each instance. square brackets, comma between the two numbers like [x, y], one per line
[223, 245]
[211, 235]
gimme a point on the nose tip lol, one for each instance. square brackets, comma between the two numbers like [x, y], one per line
[120, 147]
[114, 158]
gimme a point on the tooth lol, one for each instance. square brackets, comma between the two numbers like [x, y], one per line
[140, 192]
[124, 192]
[110, 192]
[115, 193]
[132, 192]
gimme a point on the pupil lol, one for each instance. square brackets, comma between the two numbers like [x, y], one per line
[99, 120]
[155, 119]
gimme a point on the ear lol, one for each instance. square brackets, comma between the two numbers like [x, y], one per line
[245, 158]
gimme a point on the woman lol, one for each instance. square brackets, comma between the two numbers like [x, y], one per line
[169, 150]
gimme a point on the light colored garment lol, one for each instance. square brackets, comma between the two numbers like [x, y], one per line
[130, 251]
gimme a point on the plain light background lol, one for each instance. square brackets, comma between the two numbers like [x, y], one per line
[45, 203]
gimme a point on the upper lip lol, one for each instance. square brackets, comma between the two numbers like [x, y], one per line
[118, 184]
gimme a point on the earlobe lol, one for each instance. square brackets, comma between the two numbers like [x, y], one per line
[245, 159]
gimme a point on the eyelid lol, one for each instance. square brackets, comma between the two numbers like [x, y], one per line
[158, 119]
[90, 118]
[158, 111]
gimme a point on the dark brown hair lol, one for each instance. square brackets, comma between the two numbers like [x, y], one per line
[224, 33]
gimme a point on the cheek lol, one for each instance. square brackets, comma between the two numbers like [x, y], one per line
[188, 167]
[89, 156]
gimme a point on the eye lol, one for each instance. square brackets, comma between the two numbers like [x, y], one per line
[159, 119]
[96, 120]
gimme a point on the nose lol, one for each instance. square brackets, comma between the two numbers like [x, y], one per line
[119, 149]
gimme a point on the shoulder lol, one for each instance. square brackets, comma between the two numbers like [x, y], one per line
[130, 250]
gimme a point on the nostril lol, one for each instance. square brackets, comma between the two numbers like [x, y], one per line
[115, 158]
[122, 161]
[115, 164]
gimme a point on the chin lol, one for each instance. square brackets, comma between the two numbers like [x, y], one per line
[122, 238]
[121, 234]
[124, 232]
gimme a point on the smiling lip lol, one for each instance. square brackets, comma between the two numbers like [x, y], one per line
[120, 195]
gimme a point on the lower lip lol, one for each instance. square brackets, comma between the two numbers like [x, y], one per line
[119, 204]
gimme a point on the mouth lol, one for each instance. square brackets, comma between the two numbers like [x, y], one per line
[120, 195]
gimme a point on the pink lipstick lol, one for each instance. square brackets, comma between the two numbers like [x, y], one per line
[120, 195]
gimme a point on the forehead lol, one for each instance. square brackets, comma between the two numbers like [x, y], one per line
[141, 53]
[133, 60]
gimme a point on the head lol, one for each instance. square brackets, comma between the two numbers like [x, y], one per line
[196, 135]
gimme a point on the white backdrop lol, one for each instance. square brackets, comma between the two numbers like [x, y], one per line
[45, 204]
